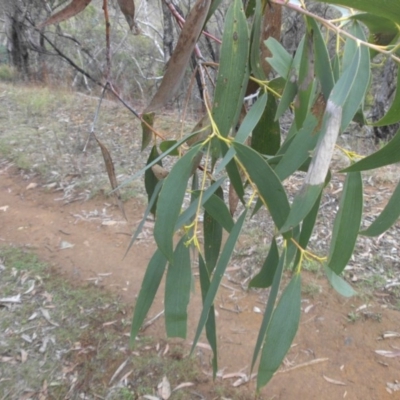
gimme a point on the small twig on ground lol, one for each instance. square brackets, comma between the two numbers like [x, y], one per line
[306, 364]
[151, 321]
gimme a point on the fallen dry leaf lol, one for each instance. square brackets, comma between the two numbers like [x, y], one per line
[334, 381]
[32, 185]
[11, 299]
[24, 356]
[119, 369]
[390, 334]
[164, 389]
[387, 353]
[183, 386]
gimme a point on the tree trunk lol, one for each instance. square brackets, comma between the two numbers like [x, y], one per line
[17, 45]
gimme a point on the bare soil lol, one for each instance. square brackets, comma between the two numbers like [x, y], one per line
[86, 242]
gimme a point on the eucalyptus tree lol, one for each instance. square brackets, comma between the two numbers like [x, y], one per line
[325, 89]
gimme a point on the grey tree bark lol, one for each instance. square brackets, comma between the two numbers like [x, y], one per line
[15, 29]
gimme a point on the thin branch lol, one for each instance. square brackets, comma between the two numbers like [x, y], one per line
[329, 25]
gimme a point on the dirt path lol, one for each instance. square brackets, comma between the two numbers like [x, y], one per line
[86, 242]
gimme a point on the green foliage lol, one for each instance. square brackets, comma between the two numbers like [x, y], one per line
[251, 150]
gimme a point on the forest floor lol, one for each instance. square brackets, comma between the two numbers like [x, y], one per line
[67, 293]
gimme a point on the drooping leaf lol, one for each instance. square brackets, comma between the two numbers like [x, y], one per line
[211, 327]
[233, 69]
[150, 179]
[347, 223]
[212, 237]
[305, 82]
[218, 210]
[177, 291]
[218, 274]
[69, 11]
[387, 217]
[151, 282]
[266, 275]
[273, 294]
[255, 62]
[268, 184]
[281, 60]
[170, 202]
[339, 284]
[147, 134]
[266, 137]
[323, 67]
[387, 155]
[111, 175]
[361, 80]
[128, 9]
[281, 331]
[299, 149]
[180, 58]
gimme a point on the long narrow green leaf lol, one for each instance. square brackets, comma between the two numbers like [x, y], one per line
[218, 210]
[323, 67]
[266, 137]
[232, 69]
[387, 217]
[288, 95]
[269, 187]
[387, 155]
[302, 204]
[255, 63]
[147, 134]
[281, 331]
[281, 60]
[233, 173]
[211, 327]
[218, 274]
[299, 149]
[170, 202]
[306, 82]
[273, 294]
[177, 291]
[212, 237]
[151, 282]
[347, 223]
[339, 284]
[361, 80]
[150, 179]
[307, 227]
[266, 275]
